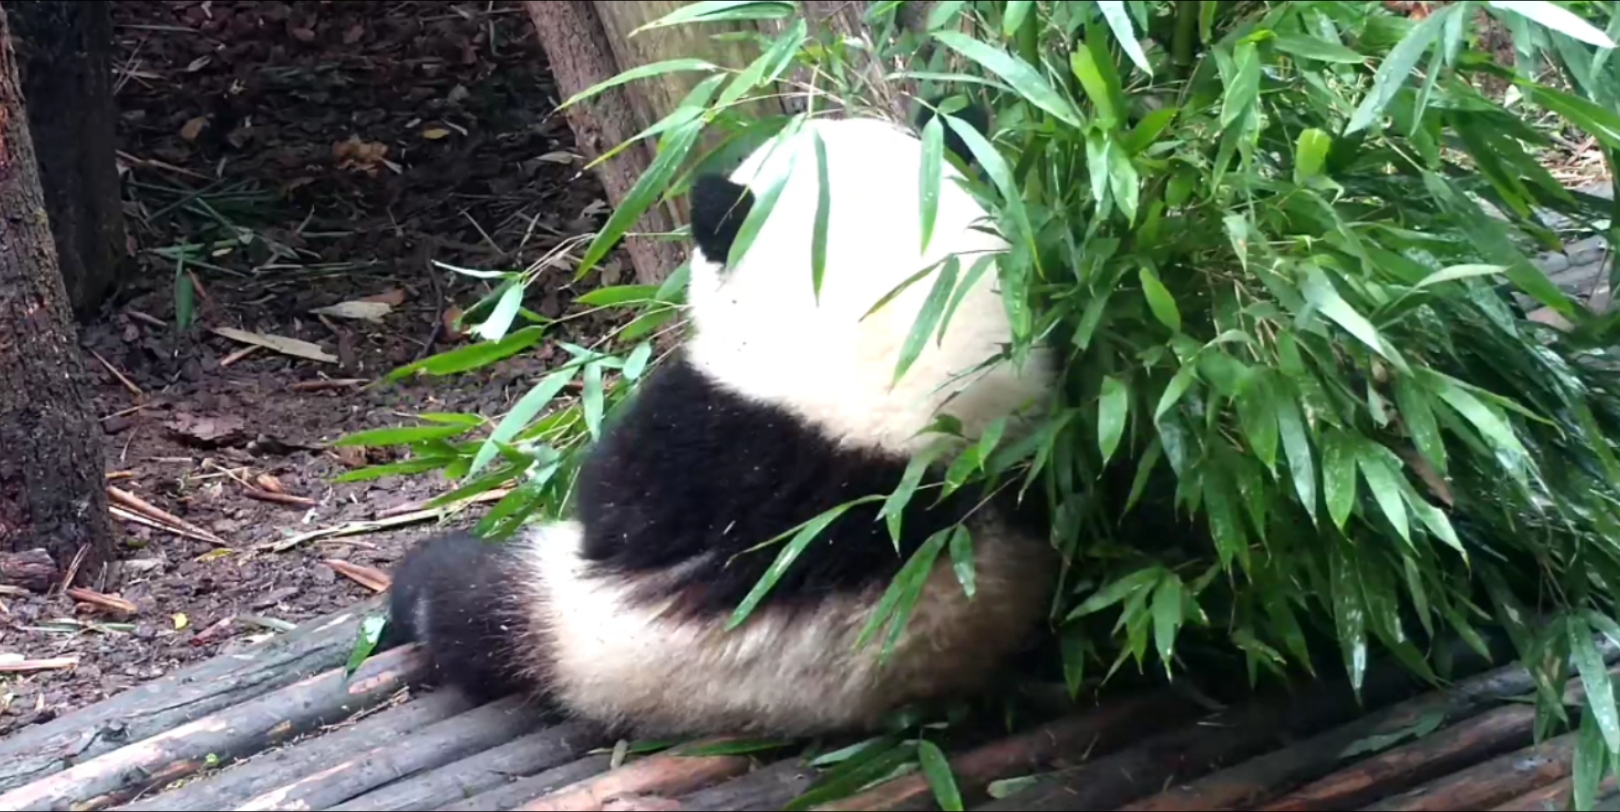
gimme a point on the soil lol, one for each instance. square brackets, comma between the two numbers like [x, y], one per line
[342, 146]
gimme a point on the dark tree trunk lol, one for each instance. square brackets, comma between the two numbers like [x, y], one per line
[63, 52]
[51, 476]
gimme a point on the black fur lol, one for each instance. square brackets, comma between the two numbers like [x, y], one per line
[466, 582]
[695, 475]
[718, 210]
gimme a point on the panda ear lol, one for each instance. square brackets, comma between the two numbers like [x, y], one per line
[718, 210]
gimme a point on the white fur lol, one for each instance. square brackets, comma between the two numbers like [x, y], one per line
[610, 657]
[761, 331]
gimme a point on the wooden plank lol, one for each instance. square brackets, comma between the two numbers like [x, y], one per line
[1227, 737]
[1555, 797]
[1397, 769]
[266, 771]
[1262, 779]
[525, 789]
[278, 716]
[667, 774]
[766, 789]
[434, 746]
[181, 697]
[1100, 731]
[487, 770]
[1492, 782]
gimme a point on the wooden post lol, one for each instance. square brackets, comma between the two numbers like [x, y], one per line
[51, 470]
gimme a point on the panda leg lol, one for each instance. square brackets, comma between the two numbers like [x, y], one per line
[461, 598]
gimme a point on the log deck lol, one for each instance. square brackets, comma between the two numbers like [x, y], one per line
[280, 726]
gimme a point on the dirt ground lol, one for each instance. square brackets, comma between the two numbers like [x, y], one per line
[268, 118]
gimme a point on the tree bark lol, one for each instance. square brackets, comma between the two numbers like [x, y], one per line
[64, 55]
[51, 468]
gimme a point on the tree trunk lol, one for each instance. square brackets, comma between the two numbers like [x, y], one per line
[51, 475]
[64, 54]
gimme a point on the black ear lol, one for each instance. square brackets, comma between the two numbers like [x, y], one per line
[974, 115]
[718, 210]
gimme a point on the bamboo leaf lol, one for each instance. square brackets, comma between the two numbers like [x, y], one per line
[1118, 20]
[1112, 408]
[1159, 299]
[933, 137]
[1024, 78]
[928, 317]
[640, 72]
[1339, 476]
[940, 779]
[1595, 678]
[1556, 18]
[818, 238]
[961, 547]
[1397, 67]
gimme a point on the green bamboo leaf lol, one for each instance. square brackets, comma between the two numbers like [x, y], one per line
[1557, 18]
[591, 400]
[894, 506]
[1296, 446]
[933, 167]
[1095, 71]
[940, 779]
[764, 204]
[961, 547]
[1112, 408]
[1244, 86]
[1000, 173]
[1256, 409]
[637, 362]
[1590, 757]
[1117, 591]
[412, 466]
[618, 295]
[1350, 619]
[1016, 12]
[899, 601]
[1123, 181]
[1456, 272]
[641, 72]
[1174, 390]
[1438, 524]
[1073, 645]
[977, 270]
[1159, 299]
[365, 643]
[1310, 152]
[818, 238]
[403, 435]
[1167, 617]
[1595, 678]
[1120, 22]
[1600, 123]
[1382, 471]
[472, 356]
[1321, 50]
[765, 69]
[805, 534]
[522, 412]
[1418, 417]
[1225, 524]
[1024, 78]
[1339, 476]
[928, 317]
[672, 150]
[718, 10]
[1397, 67]
[1321, 293]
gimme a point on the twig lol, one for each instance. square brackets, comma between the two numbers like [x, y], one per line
[238, 355]
[324, 384]
[73, 566]
[281, 498]
[130, 410]
[359, 527]
[50, 664]
[202, 292]
[439, 305]
[93, 597]
[147, 317]
[116, 475]
[137, 518]
[487, 496]
[369, 577]
[139, 505]
[128, 384]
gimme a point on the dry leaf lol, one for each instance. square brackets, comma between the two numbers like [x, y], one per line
[368, 311]
[270, 483]
[281, 344]
[369, 577]
[180, 620]
[435, 133]
[559, 157]
[392, 296]
[193, 128]
[199, 63]
[209, 431]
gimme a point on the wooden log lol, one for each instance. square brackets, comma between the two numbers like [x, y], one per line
[266, 771]
[1470, 741]
[666, 774]
[1493, 782]
[1555, 797]
[436, 745]
[1100, 731]
[523, 756]
[1262, 779]
[1227, 737]
[115, 777]
[186, 695]
[522, 790]
[33, 570]
[767, 788]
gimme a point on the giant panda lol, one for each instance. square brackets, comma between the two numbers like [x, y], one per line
[779, 406]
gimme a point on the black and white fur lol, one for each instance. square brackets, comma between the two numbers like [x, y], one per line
[778, 408]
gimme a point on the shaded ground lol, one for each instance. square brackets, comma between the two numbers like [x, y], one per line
[255, 130]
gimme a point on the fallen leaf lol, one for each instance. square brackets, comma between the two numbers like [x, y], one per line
[392, 296]
[281, 344]
[369, 577]
[270, 483]
[435, 133]
[207, 431]
[367, 311]
[193, 128]
[112, 603]
[199, 63]
[180, 620]
[559, 157]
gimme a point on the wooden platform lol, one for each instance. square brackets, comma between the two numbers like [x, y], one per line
[280, 727]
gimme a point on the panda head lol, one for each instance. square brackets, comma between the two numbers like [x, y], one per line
[763, 333]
